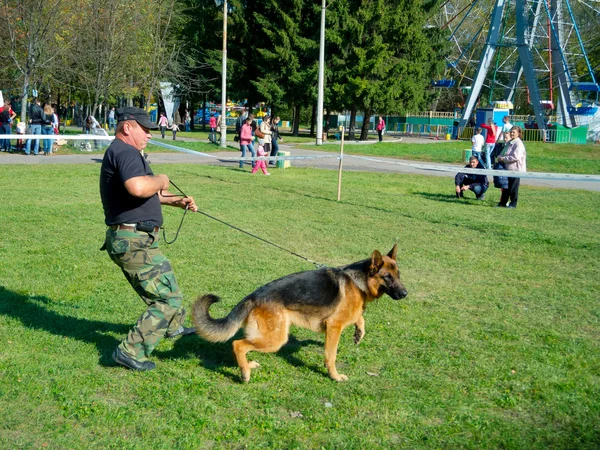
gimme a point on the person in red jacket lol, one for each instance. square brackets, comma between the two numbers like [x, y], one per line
[490, 141]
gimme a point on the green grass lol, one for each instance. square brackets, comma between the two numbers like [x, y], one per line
[495, 347]
[541, 157]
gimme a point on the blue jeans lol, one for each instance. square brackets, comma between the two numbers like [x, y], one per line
[245, 147]
[489, 148]
[111, 124]
[5, 143]
[478, 189]
[33, 129]
[47, 130]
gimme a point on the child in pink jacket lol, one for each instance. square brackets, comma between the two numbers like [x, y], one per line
[262, 165]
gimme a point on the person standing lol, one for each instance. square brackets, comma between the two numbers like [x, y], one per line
[212, 124]
[275, 137]
[7, 115]
[506, 125]
[477, 144]
[131, 198]
[246, 140]
[47, 129]
[265, 129]
[36, 116]
[187, 120]
[111, 119]
[514, 158]
[490, 141]
[380, 128]
[163, 123]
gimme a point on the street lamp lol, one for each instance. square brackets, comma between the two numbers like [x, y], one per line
[224, 80]
[321, 77]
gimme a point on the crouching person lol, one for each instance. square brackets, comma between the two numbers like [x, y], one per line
[476, 183]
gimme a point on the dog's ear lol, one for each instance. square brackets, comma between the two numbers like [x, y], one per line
[393, 252]
[376, 263]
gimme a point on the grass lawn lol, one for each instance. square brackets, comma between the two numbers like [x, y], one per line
[496, 346]
[541, 156]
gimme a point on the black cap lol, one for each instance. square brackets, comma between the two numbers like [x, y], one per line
[137, 114]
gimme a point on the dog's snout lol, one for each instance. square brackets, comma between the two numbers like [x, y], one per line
[399, 293]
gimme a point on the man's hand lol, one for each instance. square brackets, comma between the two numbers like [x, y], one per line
[458, 189]
[189, 203]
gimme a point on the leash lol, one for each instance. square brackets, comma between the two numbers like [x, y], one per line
[318, 265]
[182, 217]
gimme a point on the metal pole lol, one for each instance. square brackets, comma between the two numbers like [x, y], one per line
[321, 78]
[343, 130]
[224, 80]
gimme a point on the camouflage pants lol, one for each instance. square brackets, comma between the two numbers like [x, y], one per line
[150, 273]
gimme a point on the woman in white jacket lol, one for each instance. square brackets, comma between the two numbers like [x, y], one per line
[514, 158]
[265, 128]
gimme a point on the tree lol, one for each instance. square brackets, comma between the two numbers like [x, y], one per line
[32, 40]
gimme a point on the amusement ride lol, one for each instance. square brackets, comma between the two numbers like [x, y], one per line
[502, 49]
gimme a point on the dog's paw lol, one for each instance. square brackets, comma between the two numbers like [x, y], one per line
[339, 377]
[246, 377]
[358, 335]
[253, 364]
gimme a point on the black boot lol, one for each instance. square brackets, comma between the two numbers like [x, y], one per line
[120, 357]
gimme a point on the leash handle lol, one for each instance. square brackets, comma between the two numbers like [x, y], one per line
[182, 217]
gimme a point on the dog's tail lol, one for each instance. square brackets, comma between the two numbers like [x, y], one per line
[218, 330]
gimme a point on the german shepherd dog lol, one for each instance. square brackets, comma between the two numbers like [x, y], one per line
[324, 300]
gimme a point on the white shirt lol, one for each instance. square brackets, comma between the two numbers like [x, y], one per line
[478, 142]
[506, 127]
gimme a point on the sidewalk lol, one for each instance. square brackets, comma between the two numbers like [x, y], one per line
[353, 164]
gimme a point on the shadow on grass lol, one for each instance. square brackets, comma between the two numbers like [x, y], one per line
[218, 357]
[34, 314]
[448, 198]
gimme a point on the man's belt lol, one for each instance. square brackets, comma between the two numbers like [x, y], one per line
[141, 226]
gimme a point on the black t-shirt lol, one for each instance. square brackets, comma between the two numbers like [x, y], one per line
[120, 163]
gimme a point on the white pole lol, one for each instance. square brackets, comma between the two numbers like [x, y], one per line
[321, 78]
[224, 80]
[343, 131]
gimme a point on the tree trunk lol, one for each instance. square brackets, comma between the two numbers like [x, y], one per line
[296, 126]
[364, 131]
[24, 98]
[352, 124]
[327, 119]
[313, 120]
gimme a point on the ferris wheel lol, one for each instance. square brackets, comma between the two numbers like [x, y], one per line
[533, 49]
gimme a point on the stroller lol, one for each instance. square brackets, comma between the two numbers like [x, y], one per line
[85, 146]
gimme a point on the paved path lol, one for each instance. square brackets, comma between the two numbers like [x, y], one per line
[387, 165]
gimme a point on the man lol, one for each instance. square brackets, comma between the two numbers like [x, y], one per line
[131, 197]
[36, 118]
[476, 183]
[6, 117]
[506, 125]
[477, 144]
[111, 120]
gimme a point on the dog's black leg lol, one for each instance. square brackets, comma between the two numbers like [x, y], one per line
[359, 330]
